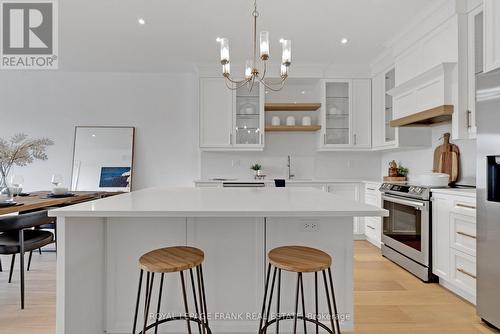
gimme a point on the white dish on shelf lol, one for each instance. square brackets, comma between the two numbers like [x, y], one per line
[275, 121]
[290, 121]
[306, 121]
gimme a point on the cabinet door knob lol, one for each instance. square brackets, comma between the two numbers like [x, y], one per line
[355, 139]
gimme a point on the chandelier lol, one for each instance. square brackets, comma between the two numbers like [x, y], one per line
[256, 68]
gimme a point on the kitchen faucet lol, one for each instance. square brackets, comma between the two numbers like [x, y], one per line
[289, 168]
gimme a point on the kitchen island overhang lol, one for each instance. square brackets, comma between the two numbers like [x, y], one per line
[100, 242]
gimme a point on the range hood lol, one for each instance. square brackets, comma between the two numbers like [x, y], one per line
[427, 99]
[437, 115]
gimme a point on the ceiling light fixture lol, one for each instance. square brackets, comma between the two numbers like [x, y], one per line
[252, 72]
[344, 41]
[141, 21]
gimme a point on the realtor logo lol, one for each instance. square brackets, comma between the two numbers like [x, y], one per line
[29, 35]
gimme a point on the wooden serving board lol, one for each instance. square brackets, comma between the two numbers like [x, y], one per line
[447, 159]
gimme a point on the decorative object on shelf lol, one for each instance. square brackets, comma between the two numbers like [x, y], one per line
[306, 121]
[275, 121]
[393, 169]
[257, 168]
[396, 173]
[447, 159]
[290, 121]
[252, 71]
[19, 150]
[333, 111]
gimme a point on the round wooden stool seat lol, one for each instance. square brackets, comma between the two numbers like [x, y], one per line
[299, 259]
[171, 259]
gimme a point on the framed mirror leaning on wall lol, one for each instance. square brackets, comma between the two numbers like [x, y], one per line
[103, 159]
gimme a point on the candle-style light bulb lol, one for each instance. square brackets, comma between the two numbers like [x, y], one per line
[249, 69]
[264, 45]
[224, 50]
[226, 69]
[284, 70]
[286, 57]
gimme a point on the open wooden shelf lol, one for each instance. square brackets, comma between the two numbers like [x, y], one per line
[292, 106]
[296, 128]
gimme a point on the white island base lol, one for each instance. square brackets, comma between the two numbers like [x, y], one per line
[99, 244]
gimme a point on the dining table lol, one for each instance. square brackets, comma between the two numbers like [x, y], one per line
[42, 199]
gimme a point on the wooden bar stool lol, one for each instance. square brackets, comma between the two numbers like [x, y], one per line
[172, 260]
[299, 259]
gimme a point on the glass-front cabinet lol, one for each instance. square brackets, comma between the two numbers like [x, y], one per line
[390, 83]
[337, 106]
[249, 117]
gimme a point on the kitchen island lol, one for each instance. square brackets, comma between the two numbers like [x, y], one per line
[99, 244]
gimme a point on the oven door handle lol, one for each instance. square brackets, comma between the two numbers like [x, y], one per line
[403, 201]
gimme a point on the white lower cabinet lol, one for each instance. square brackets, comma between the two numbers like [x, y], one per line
[454, 243]
[373, 225]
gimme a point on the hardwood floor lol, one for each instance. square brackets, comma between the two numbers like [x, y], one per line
[387, 300]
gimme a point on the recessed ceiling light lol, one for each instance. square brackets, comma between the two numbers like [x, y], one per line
[141, 21]
[344, 40]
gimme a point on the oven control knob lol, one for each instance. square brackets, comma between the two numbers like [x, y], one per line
[418, 190]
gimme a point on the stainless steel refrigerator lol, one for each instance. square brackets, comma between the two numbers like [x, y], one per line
[488, 197]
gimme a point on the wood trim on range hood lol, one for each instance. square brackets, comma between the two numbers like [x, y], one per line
[429, 117]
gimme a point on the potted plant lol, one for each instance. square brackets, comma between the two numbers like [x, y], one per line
[257, 168]
[402, 171]
[19, 150]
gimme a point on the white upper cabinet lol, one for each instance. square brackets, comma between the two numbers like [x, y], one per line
[230, 119]
[475, 65]
[346, 114]
[216, 114]
[362, 113]
[491, 35]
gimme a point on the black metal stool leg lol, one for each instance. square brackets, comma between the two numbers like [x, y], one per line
[278, 303]
[295, 315]
[203, 315]
[1, 269]
[159, 304]
[328, 301]
[268, 276]
[12, 267]
[184, 296]
[337, 330]
[303, 303]
[149, 286]
[204, 297]
[271, 296]
[316, 300]
[29, 261]
[196, 309]
[138, 300]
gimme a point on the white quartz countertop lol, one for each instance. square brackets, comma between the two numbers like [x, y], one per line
[222, 202]
[455, 191]
[297, 180]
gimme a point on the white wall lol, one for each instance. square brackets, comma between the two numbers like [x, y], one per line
[421, 161]
[162, 107]
[306, 161]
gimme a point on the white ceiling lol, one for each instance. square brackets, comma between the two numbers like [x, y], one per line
[104, 35]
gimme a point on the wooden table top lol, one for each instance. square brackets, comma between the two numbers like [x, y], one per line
[39, 200]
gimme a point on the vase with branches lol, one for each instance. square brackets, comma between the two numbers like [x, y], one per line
[19, 150]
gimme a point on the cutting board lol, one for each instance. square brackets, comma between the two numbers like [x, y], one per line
[447, 159]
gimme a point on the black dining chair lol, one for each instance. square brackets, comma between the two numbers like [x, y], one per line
[17, 236]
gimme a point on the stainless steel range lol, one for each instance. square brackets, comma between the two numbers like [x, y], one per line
[406, 232]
